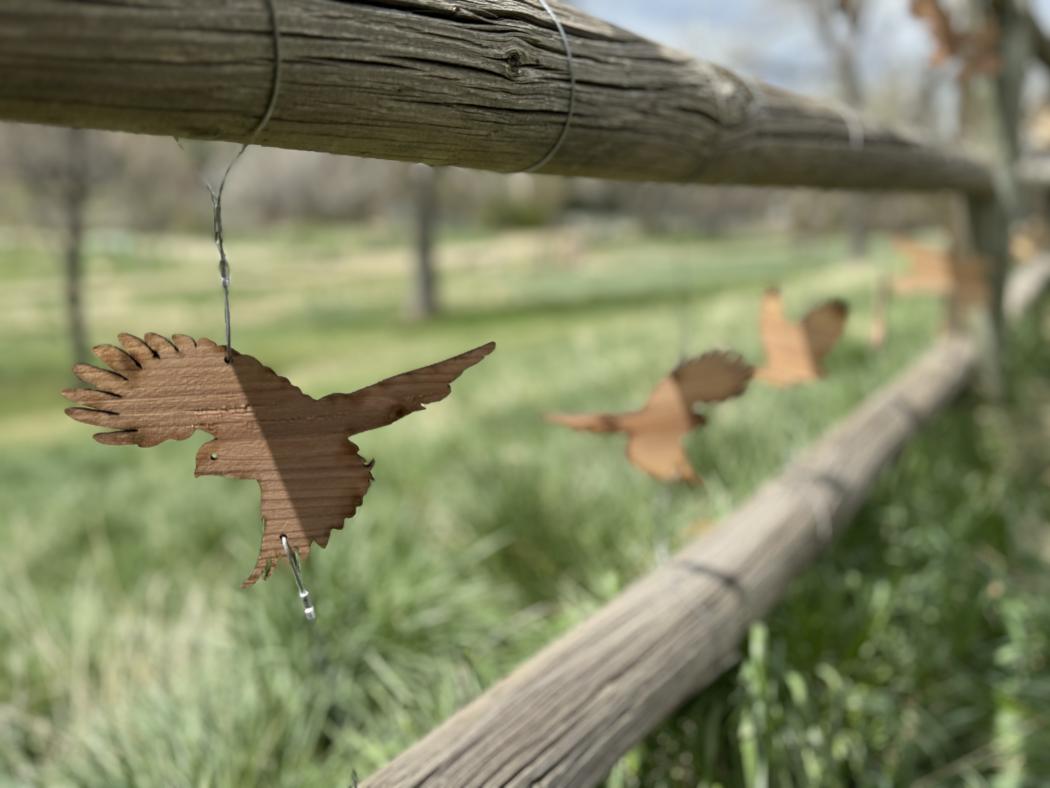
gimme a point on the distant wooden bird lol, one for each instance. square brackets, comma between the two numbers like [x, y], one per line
[977, 51]
[929, 269]
[795, 352]
[655, 432]
[932, 271]
[311, 477]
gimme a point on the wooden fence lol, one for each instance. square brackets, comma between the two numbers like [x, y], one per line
[485, 84]
[471, 83]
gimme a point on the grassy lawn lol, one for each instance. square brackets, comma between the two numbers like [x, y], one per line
[131, 657]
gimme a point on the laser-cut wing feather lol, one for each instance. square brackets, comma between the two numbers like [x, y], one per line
[311, 477]
[655, 432]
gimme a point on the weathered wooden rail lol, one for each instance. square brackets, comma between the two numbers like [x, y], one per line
[565, 716]
[484, 84]
[472, 83]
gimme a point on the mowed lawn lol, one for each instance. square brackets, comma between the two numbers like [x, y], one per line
[130, 656]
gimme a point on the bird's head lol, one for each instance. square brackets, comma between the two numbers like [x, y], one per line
[225, 458]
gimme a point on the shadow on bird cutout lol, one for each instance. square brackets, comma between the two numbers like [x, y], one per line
[311, 476]
[795, 352]
[655, 432]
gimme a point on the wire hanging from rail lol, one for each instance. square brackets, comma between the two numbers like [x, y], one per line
[216, 194]
[571, 111]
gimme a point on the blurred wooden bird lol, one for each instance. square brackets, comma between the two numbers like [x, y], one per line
[311, 477]
[977, 51]
[932, 271]
[795, 352]
[655, 432]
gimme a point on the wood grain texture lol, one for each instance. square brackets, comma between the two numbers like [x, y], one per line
[565, 716]
[311, 477]
[472, 83]
[795, 352]
[655, 433]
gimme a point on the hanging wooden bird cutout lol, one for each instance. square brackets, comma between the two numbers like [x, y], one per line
[932, 271]
[977, 51]
[795, 352]
[929, 269]
[655, 432]
[311, 476]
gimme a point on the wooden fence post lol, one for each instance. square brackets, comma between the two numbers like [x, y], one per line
[989, 237]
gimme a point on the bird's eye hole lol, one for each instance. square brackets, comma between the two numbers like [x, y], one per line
[214, 456]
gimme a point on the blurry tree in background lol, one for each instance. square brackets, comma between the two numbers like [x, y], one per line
[839, 25]
[61, 171]
[423, 298]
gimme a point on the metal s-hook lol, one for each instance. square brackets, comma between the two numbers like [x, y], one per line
[304, 595]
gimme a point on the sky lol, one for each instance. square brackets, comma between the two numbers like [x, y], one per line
[774, 39]
[771, 39]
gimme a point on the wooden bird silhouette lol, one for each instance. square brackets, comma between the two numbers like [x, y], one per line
[929, 269]
[795, 352]
[935, 272]
[978, 51]
[311, 477]
[655, 432]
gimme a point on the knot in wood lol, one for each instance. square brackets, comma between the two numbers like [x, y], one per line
[514, 60]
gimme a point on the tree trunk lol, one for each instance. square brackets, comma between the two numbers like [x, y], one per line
[842, 52]
[74, 202]
[424, 297]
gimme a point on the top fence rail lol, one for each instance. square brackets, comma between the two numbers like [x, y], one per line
[482, 84]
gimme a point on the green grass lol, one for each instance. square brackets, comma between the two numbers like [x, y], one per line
[130, 656]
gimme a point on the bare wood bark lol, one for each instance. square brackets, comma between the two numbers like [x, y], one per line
[565, 716]
[474, 83]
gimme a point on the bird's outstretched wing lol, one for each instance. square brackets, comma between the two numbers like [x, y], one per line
[660, 454]
[152, 390]
[824, 325]
[713, 377]
[391, 399]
